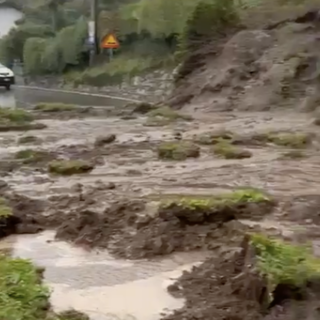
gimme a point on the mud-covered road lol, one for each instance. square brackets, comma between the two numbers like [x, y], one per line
[128, 168]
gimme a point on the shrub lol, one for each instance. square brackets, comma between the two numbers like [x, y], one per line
[228, 151]
[15, 115]
[178, 150]
[32, 55]
[69, 167]
[285, 263]
[54, 107]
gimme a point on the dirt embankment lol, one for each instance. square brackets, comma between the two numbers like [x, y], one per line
[231, 287]
[255, 70]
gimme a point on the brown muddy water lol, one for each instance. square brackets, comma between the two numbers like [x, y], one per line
[95, 283]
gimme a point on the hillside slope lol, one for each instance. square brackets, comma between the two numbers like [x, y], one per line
[258, 70]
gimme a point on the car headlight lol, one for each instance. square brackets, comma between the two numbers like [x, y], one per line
[10, 74]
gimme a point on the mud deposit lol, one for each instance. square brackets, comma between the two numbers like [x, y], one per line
[99, 285]
[114, 208]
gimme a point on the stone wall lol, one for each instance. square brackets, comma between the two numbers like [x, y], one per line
[152, 87]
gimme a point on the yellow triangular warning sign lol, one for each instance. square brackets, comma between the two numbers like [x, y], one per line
[110, 42]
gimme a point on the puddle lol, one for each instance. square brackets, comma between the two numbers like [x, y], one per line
[97, 284]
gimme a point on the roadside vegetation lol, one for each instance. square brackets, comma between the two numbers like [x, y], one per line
[285, 263]
[24, 296]
[51, 37]
[54, 107]
[17, 119]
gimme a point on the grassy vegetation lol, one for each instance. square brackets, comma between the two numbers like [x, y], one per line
[5, 210]
[289, 139]
[168, 113]
[54, 107]
[228, 151]
[211, 138]
[164, 116]
[178, 150]
[69, 167]
[219, 201]
[15, 116]
[281, 262]
[293, 154]
[17, 120]
[23, 296]
[31, 156]
[28, 139]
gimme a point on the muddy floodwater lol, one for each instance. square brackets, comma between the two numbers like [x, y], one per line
[99, 285]
[129, 168]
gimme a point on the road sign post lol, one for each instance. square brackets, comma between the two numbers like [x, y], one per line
[110, 42]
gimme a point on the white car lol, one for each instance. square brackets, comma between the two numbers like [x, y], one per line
[6, 77]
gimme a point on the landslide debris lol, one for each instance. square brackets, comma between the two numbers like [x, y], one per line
[254, 70]
[128, 229]
[263, 279]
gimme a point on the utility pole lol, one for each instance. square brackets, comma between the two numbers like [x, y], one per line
[93, 29]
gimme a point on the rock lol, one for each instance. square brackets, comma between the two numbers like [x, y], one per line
[3, 184]
[100, 141]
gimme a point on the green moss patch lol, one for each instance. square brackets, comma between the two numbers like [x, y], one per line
[212, 138]
[69, 167]
[178, 150]
[23, 295]
[220, 208]
[29, 140]
[290, 139]
[55, 107]
[165, 115]
[5, 210]
[15, 115]
[17, 120]
[282, 262]
[293, 155]
[226, 150]
[32, 156]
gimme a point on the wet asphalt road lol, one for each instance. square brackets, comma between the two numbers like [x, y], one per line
[26, 97]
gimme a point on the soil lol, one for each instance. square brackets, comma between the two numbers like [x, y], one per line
[229, 287]
[115, 206]
[254, 70]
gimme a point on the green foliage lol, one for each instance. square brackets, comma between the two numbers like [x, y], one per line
[32, 55]
[178, 150]
[226, 150]
[120, 68]
[28, 139]
[242, 196]
[69, 167]
[167, 112]
[15, 115]
[54, 54]
[54, 107]
[5, 210]
[29, 156]
[12, 45]
[281, 262]
[22, 296]
[290, 139]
